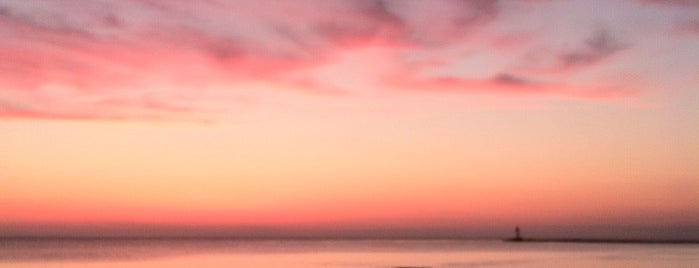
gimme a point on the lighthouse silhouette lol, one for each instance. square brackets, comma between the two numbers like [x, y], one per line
[517, 237]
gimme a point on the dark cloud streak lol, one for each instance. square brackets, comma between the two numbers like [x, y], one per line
[509, 79]
[597, 47]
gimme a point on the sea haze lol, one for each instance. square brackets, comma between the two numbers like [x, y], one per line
[162, 252]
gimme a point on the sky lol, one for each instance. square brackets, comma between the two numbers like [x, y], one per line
[349, 117]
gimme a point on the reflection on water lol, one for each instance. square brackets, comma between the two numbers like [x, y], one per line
[335, 253]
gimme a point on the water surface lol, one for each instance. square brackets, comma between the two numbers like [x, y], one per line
[194, 253]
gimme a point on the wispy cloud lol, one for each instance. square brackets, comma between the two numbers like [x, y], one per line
[509, 84]
[597, 47]
[104, 56]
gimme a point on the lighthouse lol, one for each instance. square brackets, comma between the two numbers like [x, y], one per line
[517, 238]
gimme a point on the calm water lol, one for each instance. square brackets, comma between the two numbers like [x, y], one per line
[331, 253]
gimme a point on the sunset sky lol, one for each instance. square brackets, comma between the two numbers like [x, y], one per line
[342, 116]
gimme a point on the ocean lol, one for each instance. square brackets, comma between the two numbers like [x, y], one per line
[200, 253]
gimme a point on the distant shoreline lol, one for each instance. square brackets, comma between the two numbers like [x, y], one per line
[601, 241]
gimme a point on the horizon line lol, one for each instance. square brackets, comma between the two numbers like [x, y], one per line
[350, 238]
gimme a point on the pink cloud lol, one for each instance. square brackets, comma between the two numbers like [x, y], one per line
[144, 58]
[689, 27]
